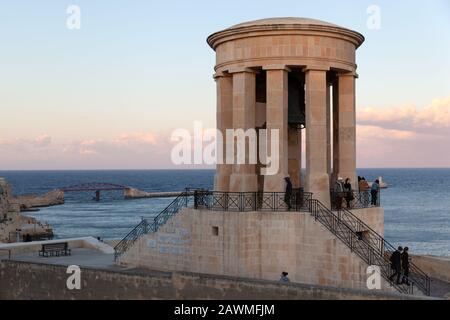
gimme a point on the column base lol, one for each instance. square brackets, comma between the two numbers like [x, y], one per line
[222, 178]
[243, 182]
[275, 183]
[319, 186]
[221, 183]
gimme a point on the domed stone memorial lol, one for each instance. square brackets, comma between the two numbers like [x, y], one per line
[295, 75]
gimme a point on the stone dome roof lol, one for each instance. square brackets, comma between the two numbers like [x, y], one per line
[281, 24]
[284, 21]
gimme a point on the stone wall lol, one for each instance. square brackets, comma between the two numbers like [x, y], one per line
[255, 245]
[435, 267]
[22, 280]
[373, 217]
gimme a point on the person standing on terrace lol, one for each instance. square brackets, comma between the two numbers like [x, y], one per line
[374, 192]
[288, 194]
[348, 192]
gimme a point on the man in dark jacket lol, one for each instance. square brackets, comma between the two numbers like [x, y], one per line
[288, 194]
[405, 266]
[396, 264]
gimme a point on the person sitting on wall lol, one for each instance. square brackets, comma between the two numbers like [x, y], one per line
[339, 192]
[288, 194]
[284, 277]
[396, 264]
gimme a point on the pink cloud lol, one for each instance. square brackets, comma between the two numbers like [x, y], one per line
[129, 150]
[433, 118]
[140, 137]
[364, 132]
[404, 136]
[41, 141]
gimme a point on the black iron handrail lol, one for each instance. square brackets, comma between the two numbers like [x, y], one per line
[384, 249]
[146, 226]
[344, 232]
[357, 235]
[251, 201]
[357, 199]
[371, 247]
[213, 200]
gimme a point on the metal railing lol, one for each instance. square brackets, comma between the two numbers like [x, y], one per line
[251, 201]
[383, 250]
[371, 247]
[149, 226]
[353, 232]
[352, 239]
[356, 199]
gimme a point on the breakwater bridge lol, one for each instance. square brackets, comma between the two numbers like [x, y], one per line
[129, 192]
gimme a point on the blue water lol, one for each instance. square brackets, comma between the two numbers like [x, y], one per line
[417, 202]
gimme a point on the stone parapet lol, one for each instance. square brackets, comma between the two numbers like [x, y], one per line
[22, 280]
[254, 244]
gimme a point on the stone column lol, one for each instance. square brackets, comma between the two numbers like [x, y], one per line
[243, 177]
[277, 119]
[328, 130]
[317, 180]
[295, 156]
[347, 128]
[335, 131]
[224, 85]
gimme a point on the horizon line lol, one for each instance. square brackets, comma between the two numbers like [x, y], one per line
[189, 169]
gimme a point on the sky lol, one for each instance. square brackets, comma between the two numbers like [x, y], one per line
[108, 95]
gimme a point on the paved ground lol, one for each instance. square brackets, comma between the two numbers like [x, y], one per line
[80, 256]
[440, 289]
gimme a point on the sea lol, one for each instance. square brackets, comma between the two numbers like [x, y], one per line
[416, 203]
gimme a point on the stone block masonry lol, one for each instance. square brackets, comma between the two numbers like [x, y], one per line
[22, 280]
[256, 245]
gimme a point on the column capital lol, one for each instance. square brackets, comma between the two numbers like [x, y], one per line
[316, 68]
[241, 70]
[218, 75]
[276, 67]
[348, 74]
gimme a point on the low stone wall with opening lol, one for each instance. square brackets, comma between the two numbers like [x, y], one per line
[22, 280]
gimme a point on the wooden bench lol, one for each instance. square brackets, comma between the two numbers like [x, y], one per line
[55, 249]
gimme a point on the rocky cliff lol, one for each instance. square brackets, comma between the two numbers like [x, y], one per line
[27, 202]
[13, 225]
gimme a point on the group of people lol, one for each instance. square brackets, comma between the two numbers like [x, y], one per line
[400, 262]
[363, 185]
[343, 190]
[399, 259]
[400, 265]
